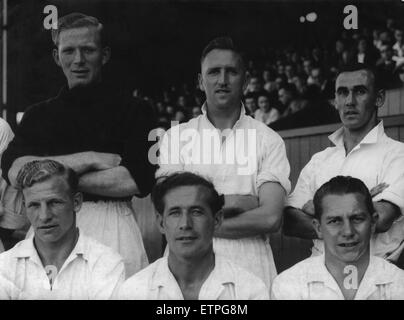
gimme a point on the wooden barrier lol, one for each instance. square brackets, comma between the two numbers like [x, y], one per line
[301, 144]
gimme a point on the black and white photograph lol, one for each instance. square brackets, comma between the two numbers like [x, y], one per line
[201, 150]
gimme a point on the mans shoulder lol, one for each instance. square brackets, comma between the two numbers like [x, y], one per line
[9, 258]
[97, 253]
[248, 286]
[300, 270]
[137, 286]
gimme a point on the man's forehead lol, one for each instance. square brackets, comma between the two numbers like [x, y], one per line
[187, 196]
[221, 57]
[343, 204]
[354, 78]
[81, 34]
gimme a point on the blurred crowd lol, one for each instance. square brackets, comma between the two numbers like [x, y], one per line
[288, 86]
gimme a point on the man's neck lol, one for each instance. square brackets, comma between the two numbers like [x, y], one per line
[191, 274]
[348, 275]
[223, 118]
[55, 254]
[353, 137]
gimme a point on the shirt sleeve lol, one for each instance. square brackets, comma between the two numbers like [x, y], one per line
[169, 155]
[274, 166]
[393, 175]
[304, 190]
[284, 289]
[108, 275]
[32, 137]
[139, 123]
[6, 135]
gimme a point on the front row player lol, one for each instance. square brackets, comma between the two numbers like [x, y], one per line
[345, 219]
[189, 212]
[59, 262]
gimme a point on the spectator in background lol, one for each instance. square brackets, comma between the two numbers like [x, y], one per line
[250, 103]
[307, 67]
[318, 79]
[290, 100]
[196, 111]
[386, 66]
[254, 85]
[365, 54]
[266, 112]
[398, 45]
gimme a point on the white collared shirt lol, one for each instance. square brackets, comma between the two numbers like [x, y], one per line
[376, 159]
[266, 154]
[310, 280]
[227, 281]
[91, 271]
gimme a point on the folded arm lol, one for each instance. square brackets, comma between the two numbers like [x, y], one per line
[114, 182]
[261, 220]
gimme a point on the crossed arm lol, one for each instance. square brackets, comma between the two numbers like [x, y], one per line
[100, 173]
[247, 216]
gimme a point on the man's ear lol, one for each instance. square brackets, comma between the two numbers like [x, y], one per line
[380, 97]
[55, 55]
[200, 81]
[106, 55]
[374, 219]
[160, 222]
[77, 201]
[317, 228]
[218, 219]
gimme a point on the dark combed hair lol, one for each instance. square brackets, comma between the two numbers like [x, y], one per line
[184, 179]
[362, 66]
[76, 20]
[222, 43]
[41, 170]
[341, 185]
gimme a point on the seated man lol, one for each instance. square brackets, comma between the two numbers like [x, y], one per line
[345, 219]
[189, 211]
[58, 262]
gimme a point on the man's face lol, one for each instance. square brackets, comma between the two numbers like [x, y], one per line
[222, 79]
[81, 56]
[250, 104]
[188, 222]
[386, 52]
[284, 97]
[263, 103]
[345, 226]
[307, 66]
[356, 99]
[51, 208]
[398, 35]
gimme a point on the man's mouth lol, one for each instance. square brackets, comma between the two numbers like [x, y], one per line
[222, 91]
[80, 72]
[186, 238]
[348, 244]
[47, 227]
[351, 113]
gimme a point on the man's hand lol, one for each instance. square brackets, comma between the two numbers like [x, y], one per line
[308, 208]
[104, 161]
[378, 189]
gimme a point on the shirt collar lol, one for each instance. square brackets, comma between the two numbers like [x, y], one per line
[219, 276]
[27, 249]
[243, 114]
[373, 136]
[373, 276]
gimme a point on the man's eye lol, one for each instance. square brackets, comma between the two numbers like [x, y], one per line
[333, 221]
[67, 51]
[197, 212]
[33, 205]
[173, 213]
[361, 91]
[89, 50]
[357, 219]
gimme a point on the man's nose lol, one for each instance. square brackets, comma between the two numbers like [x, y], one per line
[185, 221]
[44, 212]
[78, 57]
[350, 99]
[223, 78]
[347, 229]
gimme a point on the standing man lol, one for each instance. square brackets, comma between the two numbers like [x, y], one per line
[248, 164]
[189, 212]
[345, 219]
[361, 150]
[58, 262]
[98, 131]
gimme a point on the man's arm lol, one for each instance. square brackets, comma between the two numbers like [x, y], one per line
[114, 182]
[263, 219]
[388, 213]
[297, 223]
[79, 162]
